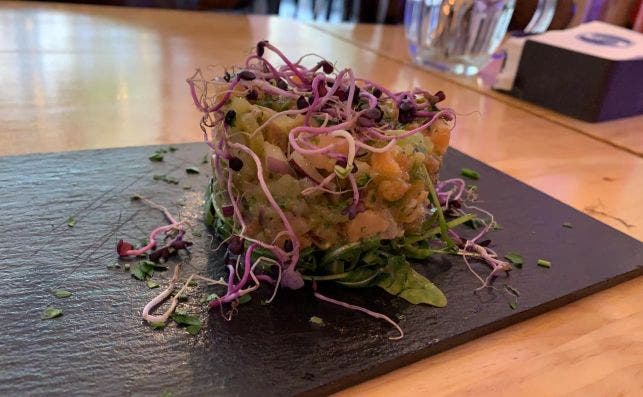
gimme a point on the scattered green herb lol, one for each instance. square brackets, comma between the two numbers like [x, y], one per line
[568, 225]
[544, 263]
[192, 170]
[474, 223]
[317, 321]
[126, 267]
[192, 323]
[156, 156]
[151, 284]
[166, 394]
[114, 266]
[187, 187]
[182, 297]
[135, 197]
[513, 305]
[469, 173]
[51, 312]
[196, 233]
[158, 325]
[512, 290]
[205, 159]
[143, 270]
[193, 283]
[71, 221]
[153, 265]
[515, 259]
[244, 299]
[496, 226]
[172, 149]
[166, 179]
[61, 293]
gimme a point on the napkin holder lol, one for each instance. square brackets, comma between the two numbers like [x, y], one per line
[593, 72]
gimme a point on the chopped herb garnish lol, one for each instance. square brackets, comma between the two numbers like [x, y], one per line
[568, 225]
[187, 187]
[114, 266]
[71, 221]
[211, 297]
[172, 149]
[158, 325]
[61, 293]
[192, 170]
[192, 323]
[166, 179]
[469, 173]
[544, 263]
[317, 321]
[135, 197]
[51, 312]
[205, 159]
[515, 259]
[474, 223]
[156, 156]
[151, 284]
[512, 290]
[193, 283]
[196, 233]
[244, 299]
[513, 305]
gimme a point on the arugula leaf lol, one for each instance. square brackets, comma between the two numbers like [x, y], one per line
[360, 277]
[61, 293]
[51, 312]
[469, 173]
[71, 221]
[399, 278]
[137, 273]
[515, 258]
[192, 170]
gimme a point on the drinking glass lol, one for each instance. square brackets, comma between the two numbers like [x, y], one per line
[459, 36]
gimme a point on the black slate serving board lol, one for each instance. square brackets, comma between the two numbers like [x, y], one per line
[101, 345]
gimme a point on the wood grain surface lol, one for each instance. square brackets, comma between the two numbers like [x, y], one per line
[389, 41]
[78, 77]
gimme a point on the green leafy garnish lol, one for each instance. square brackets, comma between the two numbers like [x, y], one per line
[568, 225]
[151, 284]
[192, 170]
[61, 293]
[244, 299]
[544, 263]
[317, 321]
[363, 180]
[191, 323]
[51, 312]
[172, 149]
[515, 258]
[166, 179]
[71, 221]
[156, 156]
[399, 278]
[143, 270]
[513, 305]
[158, 325]
[469, 173]
[135, 197]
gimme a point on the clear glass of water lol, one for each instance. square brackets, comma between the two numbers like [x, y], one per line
[459, 36]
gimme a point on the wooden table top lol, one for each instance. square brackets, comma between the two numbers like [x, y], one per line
[389, 41]
[80, 77]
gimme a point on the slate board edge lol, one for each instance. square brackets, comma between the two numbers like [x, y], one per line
[402, 361]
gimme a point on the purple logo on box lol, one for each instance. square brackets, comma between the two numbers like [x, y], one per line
[605, 39]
